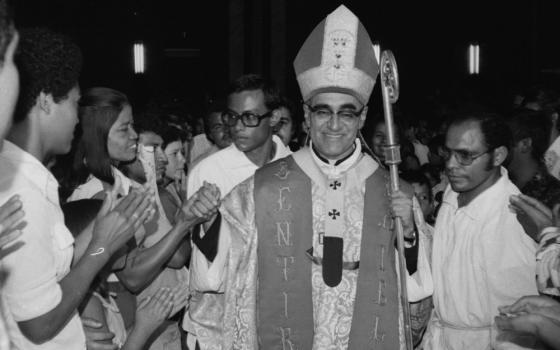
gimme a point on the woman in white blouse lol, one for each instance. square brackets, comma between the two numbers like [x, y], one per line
[108, 140]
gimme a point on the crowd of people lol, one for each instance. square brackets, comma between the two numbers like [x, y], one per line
[136, 228]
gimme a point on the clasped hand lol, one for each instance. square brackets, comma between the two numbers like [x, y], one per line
[201, 206]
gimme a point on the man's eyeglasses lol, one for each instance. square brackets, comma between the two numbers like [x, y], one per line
[345, 114]
[249, 119]
[463, 157]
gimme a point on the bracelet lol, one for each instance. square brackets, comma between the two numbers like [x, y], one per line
[99, 251]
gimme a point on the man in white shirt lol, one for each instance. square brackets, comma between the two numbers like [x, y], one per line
[41, 293]
[481, 256]
[251, 115]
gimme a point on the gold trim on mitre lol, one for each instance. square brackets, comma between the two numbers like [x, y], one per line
[337, 72]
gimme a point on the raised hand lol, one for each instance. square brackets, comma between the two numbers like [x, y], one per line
[201, 206]
[533, 215]
[11, 215]
[113, 228]
[401, 206]
[153, 310]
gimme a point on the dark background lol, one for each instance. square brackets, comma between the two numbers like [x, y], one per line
[194, 48]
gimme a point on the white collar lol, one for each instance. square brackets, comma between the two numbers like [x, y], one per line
[481, 205]
[334, 168]
[280, 152]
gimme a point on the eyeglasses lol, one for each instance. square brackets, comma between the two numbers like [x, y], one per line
[322, 112]
[249, 119]
[463, 157]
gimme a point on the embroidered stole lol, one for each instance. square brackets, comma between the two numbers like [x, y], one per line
[284, 219]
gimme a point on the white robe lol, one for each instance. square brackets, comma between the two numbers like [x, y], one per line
[481, 259]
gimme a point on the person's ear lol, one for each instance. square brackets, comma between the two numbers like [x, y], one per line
[554, 119]
[306, 117]
[363, 117]
[500, 155]
[44, 102]
[525, 145]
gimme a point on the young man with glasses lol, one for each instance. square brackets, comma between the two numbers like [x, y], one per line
[311, 261]
[251, 114]
[481, 256]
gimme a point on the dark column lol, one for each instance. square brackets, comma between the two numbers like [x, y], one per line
[257, 39]
[236, 47]
[278, 36]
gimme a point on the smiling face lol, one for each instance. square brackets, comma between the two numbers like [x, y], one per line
[333, 136]
[121, 141]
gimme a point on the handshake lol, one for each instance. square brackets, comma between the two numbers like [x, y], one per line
[201, 206]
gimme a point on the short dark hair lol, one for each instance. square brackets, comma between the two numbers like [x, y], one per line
[284, 102]
[7, 29]
[170, 133]
[148, 121]
[215, 106]
[418, 177]
[48, 62]
[525, 124]
[493, 126]
[99, 109]
[290, 107]
[249, 82]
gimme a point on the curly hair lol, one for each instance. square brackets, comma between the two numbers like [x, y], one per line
[48, 62]
[6, 27]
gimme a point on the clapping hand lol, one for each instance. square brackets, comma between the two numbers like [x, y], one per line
[153, 310]
[11, 215]
[113, 228]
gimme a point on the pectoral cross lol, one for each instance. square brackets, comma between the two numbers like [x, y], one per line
[334, 213]
[335, 185]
